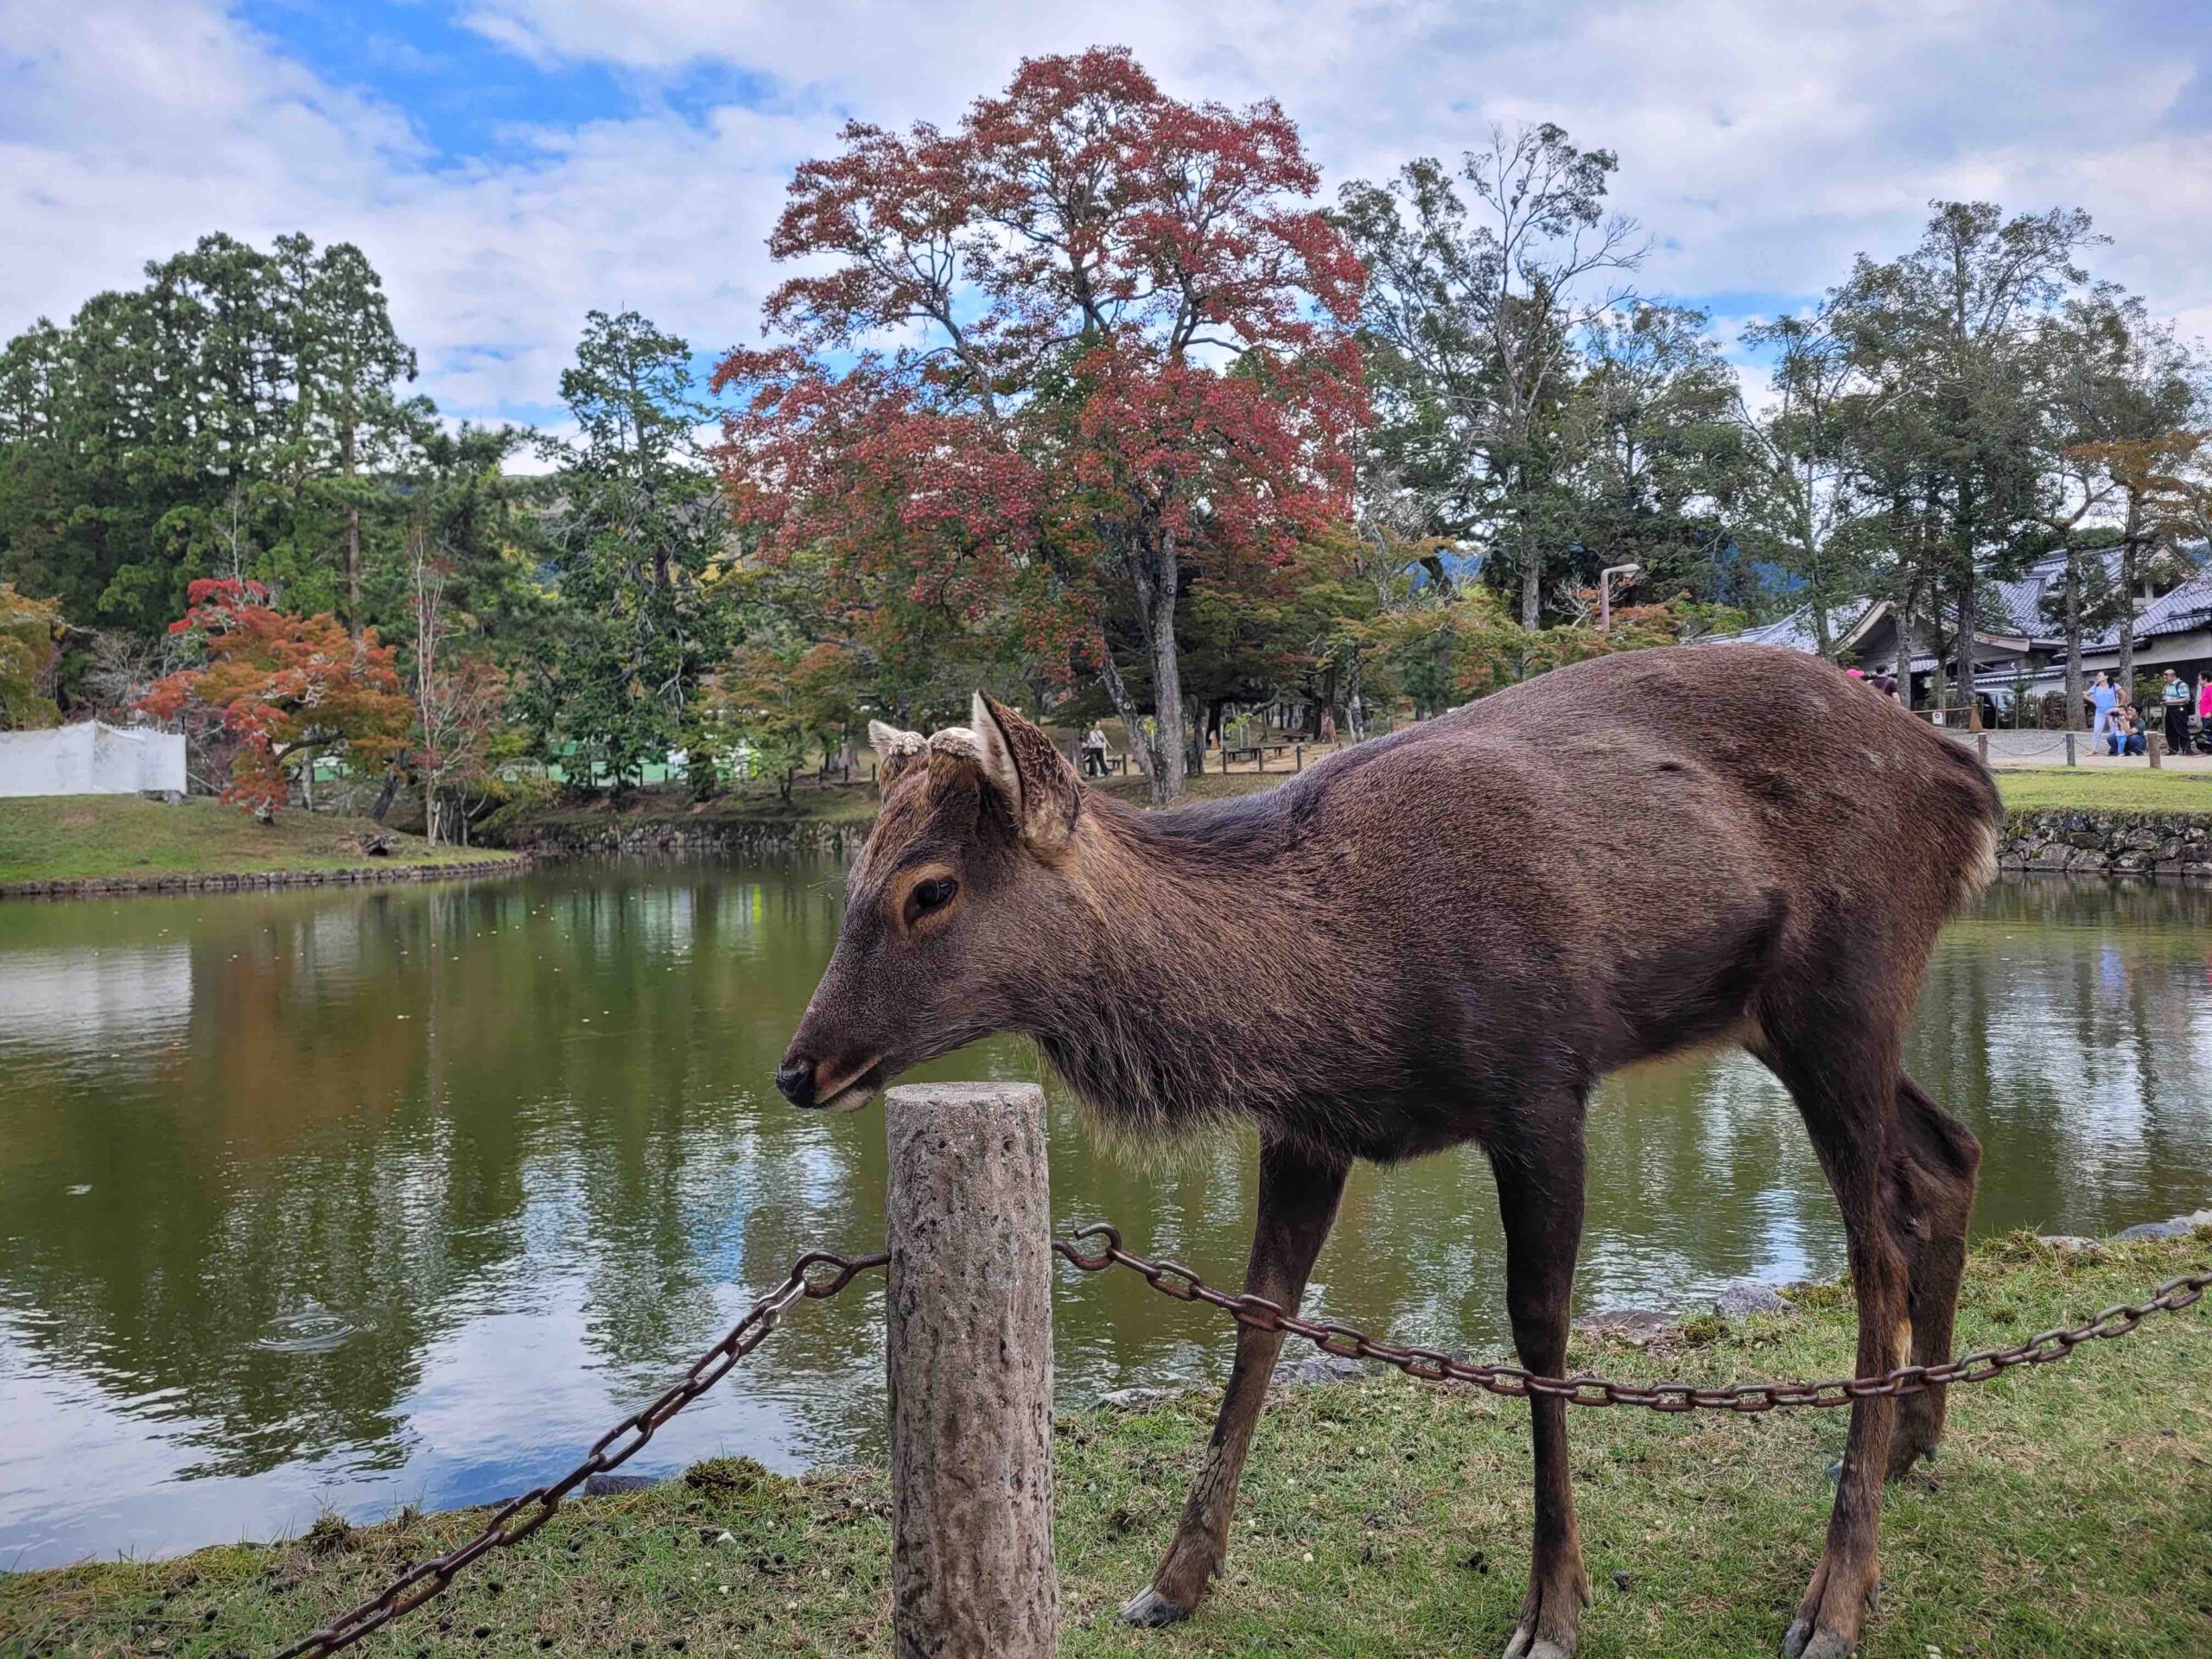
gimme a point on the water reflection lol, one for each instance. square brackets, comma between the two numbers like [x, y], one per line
[381, 1196]
[93, 1000]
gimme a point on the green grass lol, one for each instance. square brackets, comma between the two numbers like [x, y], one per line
[2067, 1517]
[2136, 789]
[79, 837]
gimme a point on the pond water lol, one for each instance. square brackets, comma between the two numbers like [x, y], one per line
[366, 1198]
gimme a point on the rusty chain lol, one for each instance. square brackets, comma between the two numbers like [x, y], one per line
[1256, 1313]
[418, 1584]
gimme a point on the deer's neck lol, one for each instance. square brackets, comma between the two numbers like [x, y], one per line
[1185, 994]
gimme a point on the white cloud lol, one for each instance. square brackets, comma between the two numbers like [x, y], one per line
[1762, 145]
[129, 132]
[157, 122]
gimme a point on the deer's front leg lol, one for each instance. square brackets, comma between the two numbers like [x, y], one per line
[1298, 1201]
[1539, 1197]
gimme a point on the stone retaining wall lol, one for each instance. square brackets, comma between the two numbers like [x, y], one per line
[363, 875]
[2073, 842]
[2176, 845]
[616, 839]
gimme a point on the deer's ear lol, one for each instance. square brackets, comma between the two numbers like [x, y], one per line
[1022, 764]
[895, 750]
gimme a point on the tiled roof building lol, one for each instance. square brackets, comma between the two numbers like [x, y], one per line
[2019, 645]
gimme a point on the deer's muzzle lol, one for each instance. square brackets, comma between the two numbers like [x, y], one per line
[824, 1085]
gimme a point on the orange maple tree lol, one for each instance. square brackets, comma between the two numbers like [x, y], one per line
[1051, 364]
[275, 685]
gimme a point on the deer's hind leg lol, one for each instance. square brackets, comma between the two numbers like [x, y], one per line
[1841, 1069]
[1298, 1203]
[1933, 1167]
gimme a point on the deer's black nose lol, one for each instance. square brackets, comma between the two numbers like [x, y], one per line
[795, 1081]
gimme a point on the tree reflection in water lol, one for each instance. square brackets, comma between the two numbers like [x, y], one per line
[393, 1196]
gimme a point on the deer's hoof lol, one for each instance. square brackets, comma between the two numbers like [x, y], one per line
[1906, 1450]
[1527, 1644]
[1556, 1636]
[1803, 1641]
[1148, 1609]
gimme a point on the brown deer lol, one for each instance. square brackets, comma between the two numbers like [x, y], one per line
[1451, 934]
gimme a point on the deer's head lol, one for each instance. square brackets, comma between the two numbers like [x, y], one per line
[952, 911]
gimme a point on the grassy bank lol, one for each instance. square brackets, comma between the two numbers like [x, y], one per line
[2069, 1516]
[67, 838]
[103, 837]
[2135, 790]
[2023, 789]
[92, 837]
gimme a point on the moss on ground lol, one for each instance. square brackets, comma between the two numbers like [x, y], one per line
[2070, 1515]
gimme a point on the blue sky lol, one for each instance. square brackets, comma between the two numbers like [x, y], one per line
[471, 99]
[510, 164]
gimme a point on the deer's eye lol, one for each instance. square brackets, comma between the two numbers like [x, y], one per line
[932, 894]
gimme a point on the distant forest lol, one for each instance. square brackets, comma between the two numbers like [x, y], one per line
[1093, 400]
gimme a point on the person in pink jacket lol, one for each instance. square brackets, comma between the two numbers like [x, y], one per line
[2204, 713]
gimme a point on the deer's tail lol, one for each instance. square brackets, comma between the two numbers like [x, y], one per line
[1972, 822]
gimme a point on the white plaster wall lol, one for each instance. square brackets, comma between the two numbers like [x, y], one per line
[90, 759]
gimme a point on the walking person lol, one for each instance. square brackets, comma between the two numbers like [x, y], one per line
[2204, 712]
[2103, 699]
[1094, 751]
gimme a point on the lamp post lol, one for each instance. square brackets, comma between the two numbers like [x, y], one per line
[1627, 573]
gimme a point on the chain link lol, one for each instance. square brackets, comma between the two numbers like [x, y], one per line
[1257, 1313]
[519, 1517]
[516, 1519]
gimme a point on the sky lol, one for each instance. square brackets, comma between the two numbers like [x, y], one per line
[509, 165]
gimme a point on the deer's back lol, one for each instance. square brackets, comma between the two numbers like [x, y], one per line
[1761, 760]
[1620, 851]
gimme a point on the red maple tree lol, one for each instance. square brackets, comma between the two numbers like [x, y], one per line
[1124, 354]
[274, 685]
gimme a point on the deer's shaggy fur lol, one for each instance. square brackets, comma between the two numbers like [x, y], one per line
[1450, 934]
